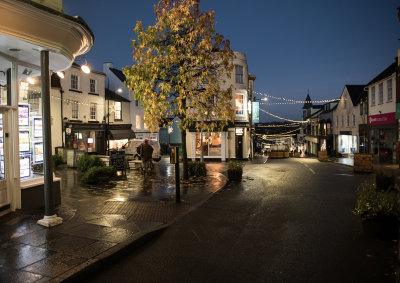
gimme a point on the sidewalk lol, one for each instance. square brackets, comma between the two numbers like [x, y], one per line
[98, 222]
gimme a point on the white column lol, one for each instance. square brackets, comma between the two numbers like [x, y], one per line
[223, 146]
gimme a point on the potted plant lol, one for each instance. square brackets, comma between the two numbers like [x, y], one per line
[235, 170]
[379, 211]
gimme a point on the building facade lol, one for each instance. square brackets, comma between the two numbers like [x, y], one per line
[235, 141]
[347, 120]
[34, 41]
[382, 115]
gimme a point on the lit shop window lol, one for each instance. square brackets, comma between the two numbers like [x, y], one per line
[211, 144]
[138, 122]
[239, 106]
[30, 123]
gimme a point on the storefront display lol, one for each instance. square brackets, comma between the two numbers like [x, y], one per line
[347, 144]
[211, 144]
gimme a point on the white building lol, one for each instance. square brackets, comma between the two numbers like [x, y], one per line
[33, 38]
[382, 115]
[78, 106]
[234, 141]
[347, 118]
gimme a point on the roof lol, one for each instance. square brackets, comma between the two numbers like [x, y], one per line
[119, 74]
[75, 19]
[386, 73]
[356, 92]
[110, 95]
[307, 103]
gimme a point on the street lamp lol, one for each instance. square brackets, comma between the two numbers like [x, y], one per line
[85, 67]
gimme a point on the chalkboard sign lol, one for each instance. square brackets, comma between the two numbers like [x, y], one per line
[117, 159]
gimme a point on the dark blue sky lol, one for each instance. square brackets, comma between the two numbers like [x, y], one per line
[291, 46]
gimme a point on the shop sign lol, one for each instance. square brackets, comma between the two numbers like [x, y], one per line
[239, 131]
[397, 110]
[346, 133]
[256, 112]
[382, 119]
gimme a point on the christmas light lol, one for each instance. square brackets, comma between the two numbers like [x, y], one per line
[293, 101]
[285, 119]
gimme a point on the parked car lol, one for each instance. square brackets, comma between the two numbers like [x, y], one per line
[131, 146]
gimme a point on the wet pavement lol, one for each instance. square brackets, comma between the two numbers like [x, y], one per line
[98, 221]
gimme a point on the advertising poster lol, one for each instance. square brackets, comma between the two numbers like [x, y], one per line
[23, 141]
[37, 127]
[38, 152]
[24, 164]
[23, 115]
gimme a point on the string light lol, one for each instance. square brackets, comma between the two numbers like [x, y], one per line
[293, 101]
[285, 119]
[278, 126]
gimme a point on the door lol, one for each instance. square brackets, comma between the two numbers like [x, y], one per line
[239, 147]
[4, 198]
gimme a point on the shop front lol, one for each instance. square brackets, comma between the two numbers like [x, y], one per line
[35, 41]
[86, 137]
[347, 143]
[119, 135]
[383, 137]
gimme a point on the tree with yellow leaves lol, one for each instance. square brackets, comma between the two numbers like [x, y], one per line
[180, 67]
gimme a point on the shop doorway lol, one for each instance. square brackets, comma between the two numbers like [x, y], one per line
[239, 147]
[4, 194]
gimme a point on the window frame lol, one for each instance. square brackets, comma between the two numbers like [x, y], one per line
[93, 111]
[117, 113]
[92, 90]
[389, 85]
[73, 81]
[380, 94]
[239, 74]
[373, 96]
[74, 109]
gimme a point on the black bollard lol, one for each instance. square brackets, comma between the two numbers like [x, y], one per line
[177, 180]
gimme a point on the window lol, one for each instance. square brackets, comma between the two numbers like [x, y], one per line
[92, 86]
[380, 97]
[75, 109]
[138, 122]
[93, 110]
[361, 108]
[118, 110]
[342, 121]
[354, 120]
[74, 82]
[211, 143]
[345, 103]
[337, 121]
[389, 90]
[347, 121]
[239, 106]
[239, 74]
[365, 108]
[373, 96]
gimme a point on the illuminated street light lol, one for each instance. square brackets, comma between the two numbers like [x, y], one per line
[61, 74]
[85, 67]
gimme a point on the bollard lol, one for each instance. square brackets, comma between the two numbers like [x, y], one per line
[177, 180]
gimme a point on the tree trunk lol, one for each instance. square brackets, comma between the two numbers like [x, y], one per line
[184, 157]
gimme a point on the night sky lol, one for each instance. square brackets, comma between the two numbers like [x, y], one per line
[291, 46]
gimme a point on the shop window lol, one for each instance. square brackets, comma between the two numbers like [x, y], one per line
[74, 109]
[211, 144]
[118, 110]
[74, 82]
[380, 97]
[138, 122]
[389, 90]
[30, 123]
[92, 86]
[93, 111]
[372, 96]
[238, 74]
[239, 106]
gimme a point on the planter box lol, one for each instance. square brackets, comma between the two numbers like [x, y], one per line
[235, 175]
[382, 227]
[323, 155]
[363, 162]
[279, 154]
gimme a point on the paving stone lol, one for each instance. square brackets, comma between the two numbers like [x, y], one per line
[19, 255]
[94, 249]
[55, 264]
[18, 276]
[110, 220]
[117, 236]
[91, 231]
[38, 238]
[67, 243]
